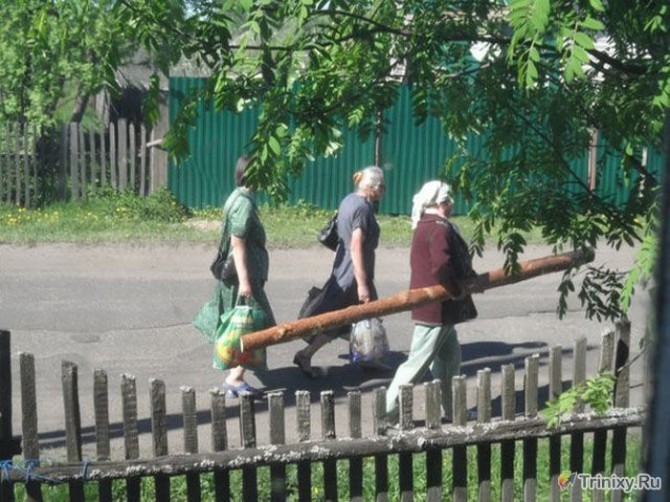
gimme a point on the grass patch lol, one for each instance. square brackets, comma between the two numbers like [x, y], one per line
[122, 217]
[178, 484]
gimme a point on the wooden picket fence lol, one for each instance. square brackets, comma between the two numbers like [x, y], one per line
[430, 438]
[41, 166]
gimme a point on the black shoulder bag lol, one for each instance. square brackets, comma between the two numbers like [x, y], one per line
[328, 235]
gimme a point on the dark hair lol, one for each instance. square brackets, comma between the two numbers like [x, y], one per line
[241, 169]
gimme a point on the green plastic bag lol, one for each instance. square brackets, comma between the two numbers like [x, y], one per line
[207, 319]
[235, 323]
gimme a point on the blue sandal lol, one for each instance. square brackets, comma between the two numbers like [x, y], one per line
[233, 391]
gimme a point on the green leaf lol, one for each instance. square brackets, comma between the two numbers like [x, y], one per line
[592, 24]
[531, 73]
[274, 145]
[584, 40]
[597, 5]
[580, 55]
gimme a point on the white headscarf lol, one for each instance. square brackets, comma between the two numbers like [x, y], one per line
[431, 194]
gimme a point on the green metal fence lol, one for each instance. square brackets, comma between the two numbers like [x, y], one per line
[411, 155]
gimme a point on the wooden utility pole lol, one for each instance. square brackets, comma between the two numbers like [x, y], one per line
[406, 300]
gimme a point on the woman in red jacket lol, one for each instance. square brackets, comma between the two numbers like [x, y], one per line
[438, 255]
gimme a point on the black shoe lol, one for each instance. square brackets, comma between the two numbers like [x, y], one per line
[303, 363]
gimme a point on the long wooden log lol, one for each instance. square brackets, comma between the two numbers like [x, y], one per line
[406, 300]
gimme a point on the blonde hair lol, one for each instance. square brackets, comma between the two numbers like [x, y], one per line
[369, 177]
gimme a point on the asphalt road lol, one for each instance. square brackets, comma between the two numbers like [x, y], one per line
[127, 310]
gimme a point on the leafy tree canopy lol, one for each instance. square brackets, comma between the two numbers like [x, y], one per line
[536, 78]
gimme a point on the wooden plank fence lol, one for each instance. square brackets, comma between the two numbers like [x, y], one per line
[409, 438]
[41, 166]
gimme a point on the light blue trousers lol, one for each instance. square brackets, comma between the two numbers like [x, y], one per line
[436, 347]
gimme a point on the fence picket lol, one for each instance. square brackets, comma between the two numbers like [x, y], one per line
[531, 387]
[122, 155]
[4, 166]
[113, 153]
[219, 442]
[130, 431]
[17, 163]
[484, 414]
[600, 437]
[82, 164]
[381, 460]
[405, 471]
[31, 450]
[577, 438]
[143, 160]
[355, 432]
[159, 434]
[103, 447]
[95, 180]
[70, 381]
[555, 388]
[303, 423]
[433, 455]
[328, 433]
[73, 161]
[63, 156]
[103, 157]
[248, 435]
[26, 166]
[189, 412]
[507, 448]
[460, 453]
[621, 400]
[132, 154]
[277, 436]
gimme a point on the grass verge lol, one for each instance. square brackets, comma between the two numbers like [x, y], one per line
[122, 217]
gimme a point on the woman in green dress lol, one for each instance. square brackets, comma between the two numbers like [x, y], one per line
[243, 237]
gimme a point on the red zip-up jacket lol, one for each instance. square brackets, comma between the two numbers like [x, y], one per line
[439, 255]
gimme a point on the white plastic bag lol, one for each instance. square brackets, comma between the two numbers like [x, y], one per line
[368, 341]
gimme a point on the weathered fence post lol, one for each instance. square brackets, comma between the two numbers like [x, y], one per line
[9, 446]
[577, 438]
[328, 433]
[102, 442]
[381, 460]
[600, 437]
[304, 431]
[219, 441]
[248, 436]
[355, 432]
[159, 434]
[460, 453]
[130, 431]
[70, 380]
[507, 448]
[190, 415]
[405, 471]
[31, 449]
[484, 450]
[555, 389]
[530, 388]
[433, 455]
[122, 158]
[621, 400]
[277, 437]
[74, 161]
